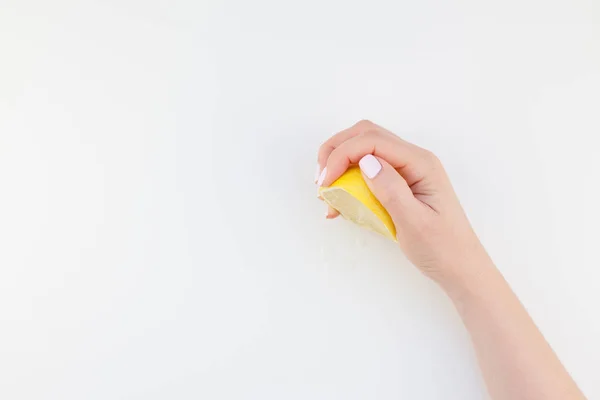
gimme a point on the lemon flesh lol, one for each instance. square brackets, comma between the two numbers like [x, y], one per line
[351, 196]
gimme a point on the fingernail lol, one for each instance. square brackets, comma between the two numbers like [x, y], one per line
[322, 177]
[317, 172]
[370, 166]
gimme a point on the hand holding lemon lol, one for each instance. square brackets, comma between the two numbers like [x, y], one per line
[376, 179]
[393, 187]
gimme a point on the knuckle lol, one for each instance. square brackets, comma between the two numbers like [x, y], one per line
[337, 157]
[431, 158]
[324, 150]
[369, 133]
[365, 124]
[321, 152]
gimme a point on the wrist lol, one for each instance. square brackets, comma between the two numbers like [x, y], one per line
[468, 276]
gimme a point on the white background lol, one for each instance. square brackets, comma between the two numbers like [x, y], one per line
[159, 232]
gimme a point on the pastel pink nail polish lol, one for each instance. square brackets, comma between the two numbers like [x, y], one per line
[370, 166]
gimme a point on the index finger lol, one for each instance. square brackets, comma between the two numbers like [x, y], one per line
[336, 140]
[406, 158]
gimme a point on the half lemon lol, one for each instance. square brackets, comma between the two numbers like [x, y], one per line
[351, 196]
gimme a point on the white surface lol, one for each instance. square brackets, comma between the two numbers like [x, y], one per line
[159, 232]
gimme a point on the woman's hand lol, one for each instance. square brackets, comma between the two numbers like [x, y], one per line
[411, 184]
[432, 229]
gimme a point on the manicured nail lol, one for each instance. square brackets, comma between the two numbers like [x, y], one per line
[370, 166]
[322, 177]
[317, 172]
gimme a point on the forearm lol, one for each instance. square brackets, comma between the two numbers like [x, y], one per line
[515, 359]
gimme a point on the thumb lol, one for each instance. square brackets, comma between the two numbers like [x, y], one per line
[387, 185]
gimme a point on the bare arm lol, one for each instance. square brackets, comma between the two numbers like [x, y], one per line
[516, 361]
